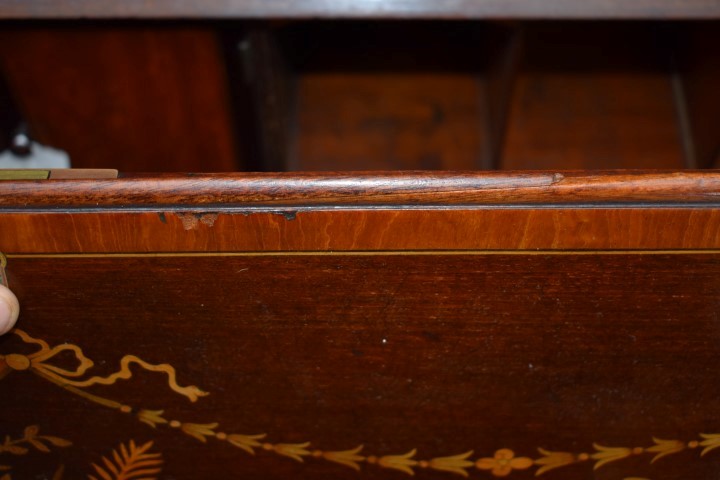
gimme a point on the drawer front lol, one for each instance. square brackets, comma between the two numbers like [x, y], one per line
[305, 340]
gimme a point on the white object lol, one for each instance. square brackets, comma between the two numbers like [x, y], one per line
[40, 157]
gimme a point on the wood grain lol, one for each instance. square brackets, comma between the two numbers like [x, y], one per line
[443, 354]
[661, 9]
[597, 101]
[389, 95]
[131, 97]
[331, 230]
[368, 188]
[389, 121]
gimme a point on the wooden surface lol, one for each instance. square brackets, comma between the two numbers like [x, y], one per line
[324, 212]
[598, 101]
[135, 98]
[390, 121]
[699, 70]
[388, 95]
[664, 9]
[345, 326]
[418, 356]
[368, 188]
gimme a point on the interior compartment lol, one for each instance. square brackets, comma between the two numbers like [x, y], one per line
[361, 95]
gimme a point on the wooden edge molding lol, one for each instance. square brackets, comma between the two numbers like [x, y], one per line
[368, 189]
[532, 9]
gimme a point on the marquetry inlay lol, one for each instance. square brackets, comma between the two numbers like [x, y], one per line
[500, 463]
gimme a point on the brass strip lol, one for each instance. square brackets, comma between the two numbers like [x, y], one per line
[28, 174]
[365, 253]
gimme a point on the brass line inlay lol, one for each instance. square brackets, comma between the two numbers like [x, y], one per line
[501, 463]
[360, 253]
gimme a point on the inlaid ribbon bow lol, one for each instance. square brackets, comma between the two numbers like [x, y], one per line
[39, 363]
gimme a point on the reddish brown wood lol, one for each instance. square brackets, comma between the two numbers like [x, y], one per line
[699, 62]
[412, 211]
[411, 314]
[135, 98]
[358, 189]
[443, 354]
[208, 230]
[662, 9]
[390, 121]
[594, 96]
[389, 95]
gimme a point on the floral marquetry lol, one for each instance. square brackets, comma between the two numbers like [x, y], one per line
[129, 461]
[503, 463]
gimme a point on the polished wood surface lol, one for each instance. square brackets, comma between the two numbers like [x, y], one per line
[415, 358]
[135, 98]
[560, 325]
[323, 212]
[503, 9]
[367, 188]
[212, 230]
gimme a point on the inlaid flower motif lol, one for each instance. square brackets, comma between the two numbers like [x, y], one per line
[711, 442]
[503, 463]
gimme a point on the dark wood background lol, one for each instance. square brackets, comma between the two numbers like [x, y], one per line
[443, 353]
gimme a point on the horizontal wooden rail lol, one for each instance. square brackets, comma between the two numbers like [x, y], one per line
[368, 189]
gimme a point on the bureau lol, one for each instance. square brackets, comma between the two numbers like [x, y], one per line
[561, 325]
[458, 239]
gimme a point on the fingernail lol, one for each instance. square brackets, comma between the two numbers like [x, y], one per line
[9, 309]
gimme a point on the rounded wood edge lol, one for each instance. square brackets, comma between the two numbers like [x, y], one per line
[369, 189]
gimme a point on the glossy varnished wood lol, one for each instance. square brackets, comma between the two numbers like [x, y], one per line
[317, 212]
[432, 354]
[171, 230]
[363, 189]
[365, 326]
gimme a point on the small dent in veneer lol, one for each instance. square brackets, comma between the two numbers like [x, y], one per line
[192, 221]
[558, 177]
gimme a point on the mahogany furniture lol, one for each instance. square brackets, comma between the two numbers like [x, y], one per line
[525, 321]
[559, 324]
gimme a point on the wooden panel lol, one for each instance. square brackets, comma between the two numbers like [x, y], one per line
[232, 337]
[575, 366]
[663, 9]
[700, 73]
[594, 96]
[131, 98]
[412, 211]
[389, 121]
[389, 95]
[211, 230]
